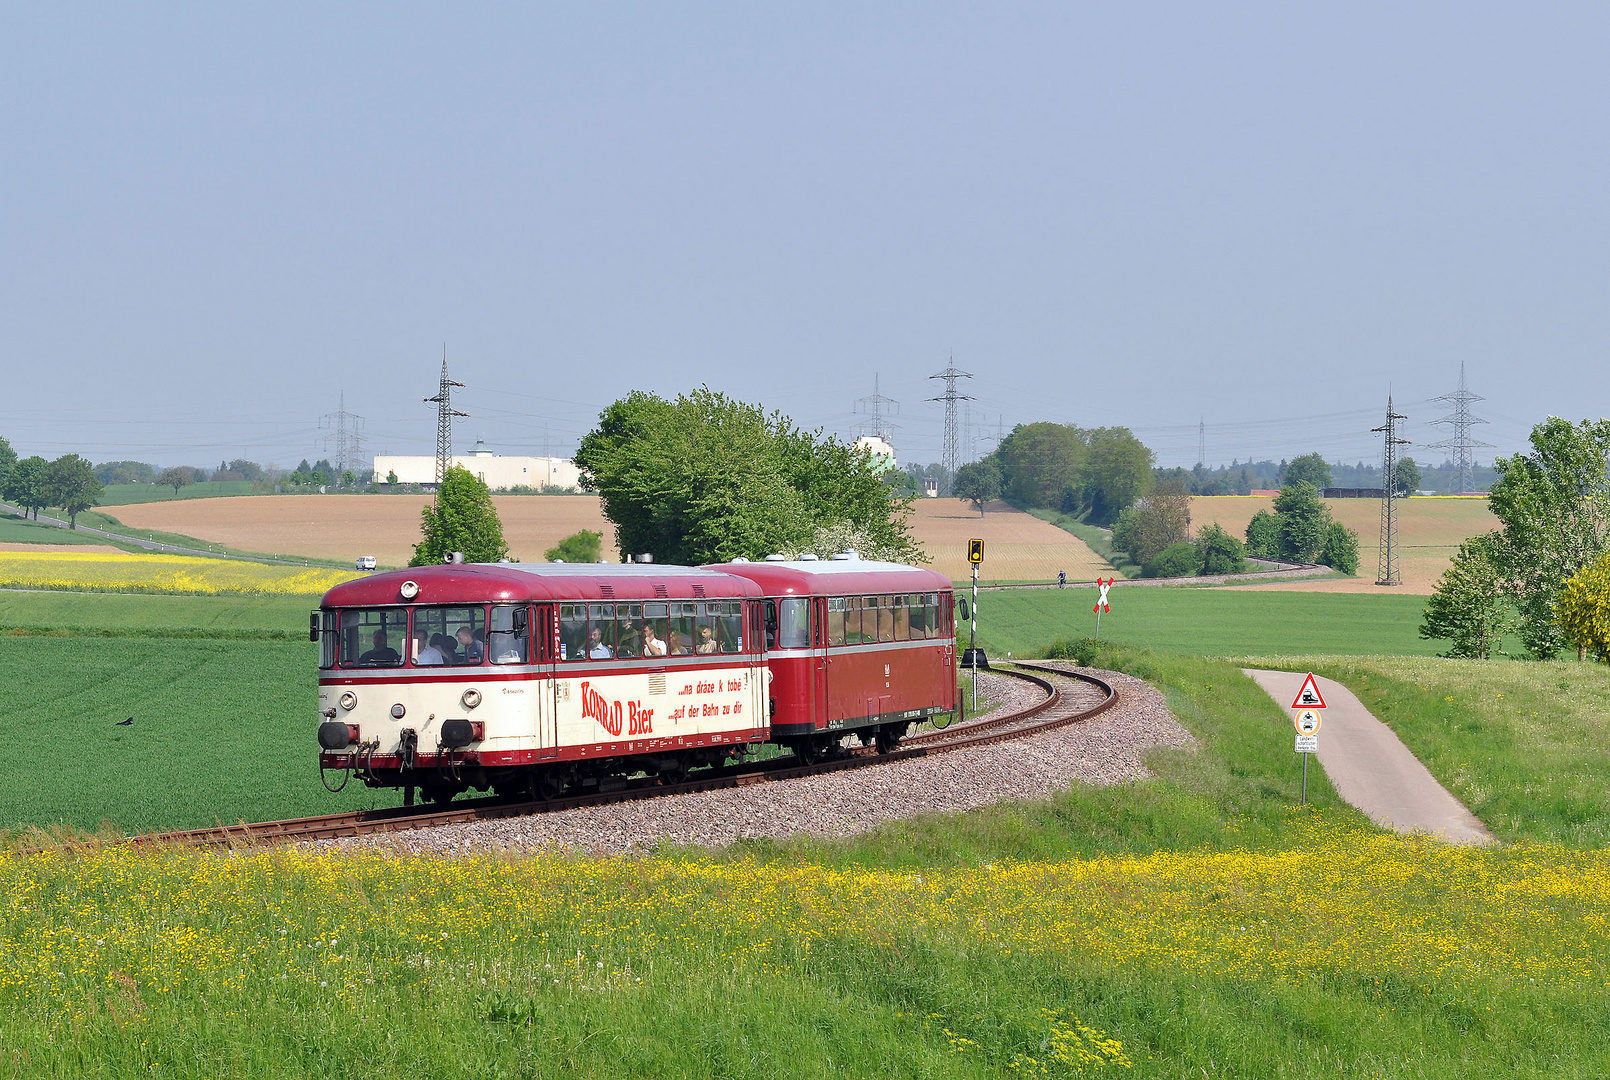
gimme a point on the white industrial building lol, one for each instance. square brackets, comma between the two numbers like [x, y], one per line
[495, 471]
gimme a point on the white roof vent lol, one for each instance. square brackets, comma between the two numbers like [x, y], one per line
[809, 557]
[740, 559]
[846, 556]
[776, 558]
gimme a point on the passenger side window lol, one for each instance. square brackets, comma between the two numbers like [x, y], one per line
[628, 631]
[918, 616]
[835, 620]
[680, 639]
[730, 631]
[572, 632]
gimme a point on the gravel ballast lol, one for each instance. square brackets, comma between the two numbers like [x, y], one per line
[1107, 749]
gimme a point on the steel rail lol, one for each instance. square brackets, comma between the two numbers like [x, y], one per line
[404, 818]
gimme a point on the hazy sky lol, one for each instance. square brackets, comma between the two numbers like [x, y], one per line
[216, 219]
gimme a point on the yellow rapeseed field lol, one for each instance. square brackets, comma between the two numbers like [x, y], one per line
[177, 574]
[80, 929]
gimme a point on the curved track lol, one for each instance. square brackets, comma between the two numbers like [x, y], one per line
[1067, 700]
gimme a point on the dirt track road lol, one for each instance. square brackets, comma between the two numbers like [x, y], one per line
[1372, 769]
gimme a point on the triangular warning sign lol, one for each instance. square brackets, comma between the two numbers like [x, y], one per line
[1309, 696]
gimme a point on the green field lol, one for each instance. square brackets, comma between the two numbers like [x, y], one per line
[1526, 746]
[124, 494]
[223, 731]
[16, 530]
[1205, 621]
[147, 615]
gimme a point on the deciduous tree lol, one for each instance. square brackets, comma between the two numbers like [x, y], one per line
[176, 477]
[1161, 519]
[1309, 468]
[1219, 552]
[461, 519]
[70, 484]
[1469, 607]
[705, 478]
[1304, 522]
[1584, 609]
[1554, 503]
[1263, 535]
[978, 482]
[585, 546]
[26, 486]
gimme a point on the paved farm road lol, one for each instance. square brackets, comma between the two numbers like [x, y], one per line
[1371, 768]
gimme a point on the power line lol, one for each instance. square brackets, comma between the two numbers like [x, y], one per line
[347, 438]
[951, 397]
[1463, 443]
[877, 407]
[444, 421]
[1388, 565]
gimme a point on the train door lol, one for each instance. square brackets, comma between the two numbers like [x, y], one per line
[819, 660]
[545, 654]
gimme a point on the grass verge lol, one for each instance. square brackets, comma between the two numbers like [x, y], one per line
[1524, 745]
[1207, 621]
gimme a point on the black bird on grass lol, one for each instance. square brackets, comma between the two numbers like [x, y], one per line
[124, 723]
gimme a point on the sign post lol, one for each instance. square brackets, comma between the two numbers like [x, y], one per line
[1101, 602]
[1309, 704]
[975, 555]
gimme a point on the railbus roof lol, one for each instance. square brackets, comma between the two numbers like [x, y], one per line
[837, 577]
[469, 583]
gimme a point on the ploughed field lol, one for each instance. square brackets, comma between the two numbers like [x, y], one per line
[1430, 530]
[346, 526]
[1018, 546]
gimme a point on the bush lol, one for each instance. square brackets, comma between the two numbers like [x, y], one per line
[1176, 560]
[1263, 536]
[1082, 651]
[1341, 549]
[1218, 552]
[585, 546]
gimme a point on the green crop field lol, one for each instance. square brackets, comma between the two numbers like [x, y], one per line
[1205, 621]
[15, 530]
[125, 494]
[223, 731]
[148, 615]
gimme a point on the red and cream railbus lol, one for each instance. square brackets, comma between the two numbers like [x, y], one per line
[526, 678]
[854, 646]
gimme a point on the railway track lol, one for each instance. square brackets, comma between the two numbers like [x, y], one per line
[1069, 697]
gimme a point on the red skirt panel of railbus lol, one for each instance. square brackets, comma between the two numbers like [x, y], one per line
[530, 678]
[854, 646]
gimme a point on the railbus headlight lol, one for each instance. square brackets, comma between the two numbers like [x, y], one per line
[398, 712]
[471, 698]
[349, 701]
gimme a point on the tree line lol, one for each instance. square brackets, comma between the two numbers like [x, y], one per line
[1543, 575]
[1091, 473]
[33, 484]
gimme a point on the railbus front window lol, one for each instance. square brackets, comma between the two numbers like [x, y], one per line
[452, 636]
[372, 637]
[509, 639]
[793, 623]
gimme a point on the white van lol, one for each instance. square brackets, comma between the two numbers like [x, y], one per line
[366, 562]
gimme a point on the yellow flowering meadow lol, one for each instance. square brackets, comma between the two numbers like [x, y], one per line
[177, 574]
[75, 927]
